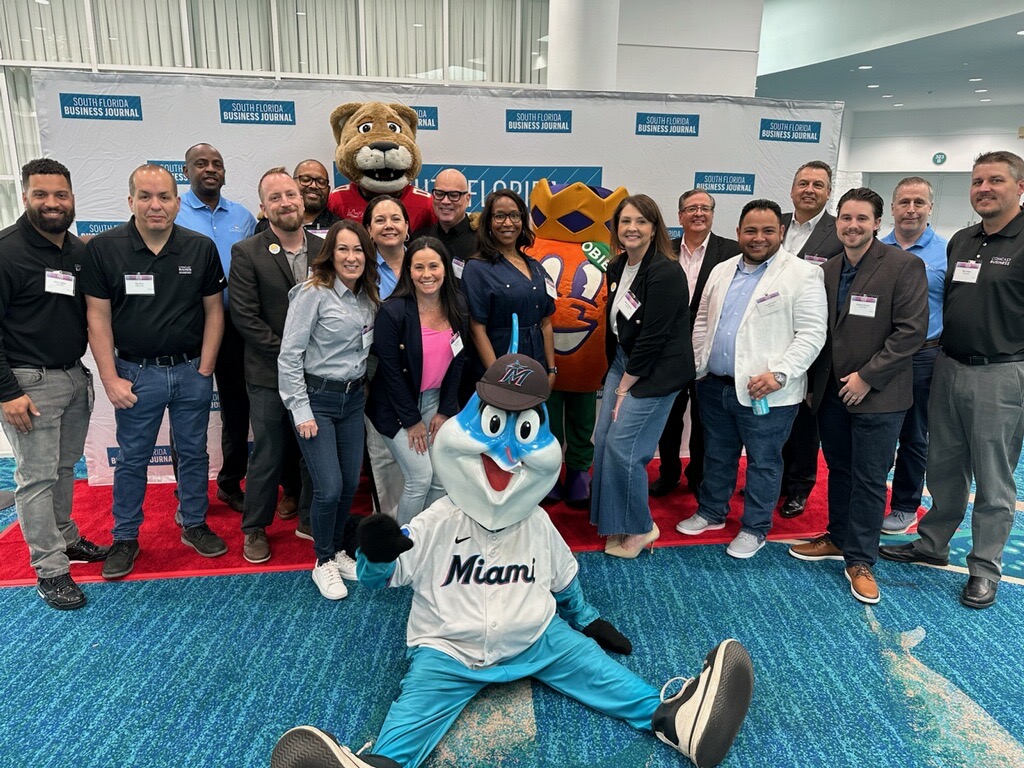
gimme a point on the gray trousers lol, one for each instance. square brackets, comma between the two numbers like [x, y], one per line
[976, 424]
[46, 457]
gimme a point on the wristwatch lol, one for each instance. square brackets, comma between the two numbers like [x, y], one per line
[553, 369]
[780, 378]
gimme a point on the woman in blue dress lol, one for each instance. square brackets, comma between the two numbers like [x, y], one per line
[501, 280]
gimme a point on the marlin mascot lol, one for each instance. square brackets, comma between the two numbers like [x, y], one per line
[497, 598]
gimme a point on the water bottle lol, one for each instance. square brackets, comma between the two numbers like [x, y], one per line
[760, 405]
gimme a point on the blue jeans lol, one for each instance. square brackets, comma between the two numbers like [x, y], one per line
[422, 488]
[912, 456]
[858, 449]
[730, 426]
[185, 394]
[333, 458]
[622, 450]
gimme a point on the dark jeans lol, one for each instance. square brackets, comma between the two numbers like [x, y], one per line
[333, 458]
[912, 456]
[672, 439]
[800, 454]
[234, 409]
[729, 426]
[858, 449]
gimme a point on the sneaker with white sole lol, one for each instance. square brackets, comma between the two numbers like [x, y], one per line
[309, 747]
[701, 721]
[898, 522]
[328, 581]
[345, 564]
[746, 544]
[693, 526]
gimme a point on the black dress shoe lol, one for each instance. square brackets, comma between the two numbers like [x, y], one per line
[979, 592]
[662, 487]
[235, 500]
[908, 553]
[794, 506]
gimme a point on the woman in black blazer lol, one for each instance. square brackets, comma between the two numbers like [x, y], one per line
[418, 338]
[651, 356]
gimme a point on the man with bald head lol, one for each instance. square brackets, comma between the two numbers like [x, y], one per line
[451, 199]
[315, 187]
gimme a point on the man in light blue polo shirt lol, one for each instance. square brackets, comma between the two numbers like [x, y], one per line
[911, 207]
[205, 210]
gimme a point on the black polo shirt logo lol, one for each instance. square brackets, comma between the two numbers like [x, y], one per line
[184, 269]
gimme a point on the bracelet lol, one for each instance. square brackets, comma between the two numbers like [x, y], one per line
[621, 392]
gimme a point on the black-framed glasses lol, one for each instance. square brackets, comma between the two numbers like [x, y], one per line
[452, 194]
[311, 181]
[500, 218]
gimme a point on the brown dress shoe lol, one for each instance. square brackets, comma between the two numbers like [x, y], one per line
[862, 583]
[287, 507]
[820, 548]
[256, 548]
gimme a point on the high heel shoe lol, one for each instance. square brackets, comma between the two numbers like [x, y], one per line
[612, 542]
[630, 549]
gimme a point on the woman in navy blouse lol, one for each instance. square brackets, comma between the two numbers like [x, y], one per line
[501, 280]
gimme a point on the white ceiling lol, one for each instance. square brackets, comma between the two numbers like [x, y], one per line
[927, 73]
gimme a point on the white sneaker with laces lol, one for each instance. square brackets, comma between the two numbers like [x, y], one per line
[328, 581]
[693, 526]
[746, 544]
[345, 564]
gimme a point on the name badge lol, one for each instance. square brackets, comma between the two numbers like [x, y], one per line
[139, 285]
[457, 266]
[768, 302]
[321, 233]
[60, 282]
[629, 305]
[456, 343]
[862, 305]
[814, 258]
[549, 285]
[367, 336]
[966, 271]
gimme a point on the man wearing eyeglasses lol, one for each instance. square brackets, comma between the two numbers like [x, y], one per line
[315, 185]
[699, 251]
[453, 228]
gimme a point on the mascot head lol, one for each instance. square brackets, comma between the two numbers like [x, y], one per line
[377, 145]
[497, 458]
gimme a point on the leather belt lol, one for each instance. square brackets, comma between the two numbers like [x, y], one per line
[930, 344]
[980, 360]
[330, 385]
[68, 367]
[163, 361]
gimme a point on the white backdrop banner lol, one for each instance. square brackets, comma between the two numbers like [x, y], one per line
[104, 126]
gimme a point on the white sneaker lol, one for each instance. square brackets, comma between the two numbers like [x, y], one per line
[346, 565]
[693, 526]
[328, 581]
[746, 544]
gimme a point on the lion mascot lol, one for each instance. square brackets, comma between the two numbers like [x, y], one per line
[378, 153]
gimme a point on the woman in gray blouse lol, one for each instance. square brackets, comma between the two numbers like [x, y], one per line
[321, 371]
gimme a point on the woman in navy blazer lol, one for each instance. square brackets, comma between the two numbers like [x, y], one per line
[651, 357]
[418, 338]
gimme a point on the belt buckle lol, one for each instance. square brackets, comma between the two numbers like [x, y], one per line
[978, 360]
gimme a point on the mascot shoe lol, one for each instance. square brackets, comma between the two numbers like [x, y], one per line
[309, 747]
[702, 720]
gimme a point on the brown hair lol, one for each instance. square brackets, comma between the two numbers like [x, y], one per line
[322, 267]
[650, 211]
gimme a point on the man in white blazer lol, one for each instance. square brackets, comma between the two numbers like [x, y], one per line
[761, 324]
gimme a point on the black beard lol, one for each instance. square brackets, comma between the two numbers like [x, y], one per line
[315, 209]
[49, 226]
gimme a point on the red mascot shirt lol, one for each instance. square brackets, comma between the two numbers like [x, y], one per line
[348, 202]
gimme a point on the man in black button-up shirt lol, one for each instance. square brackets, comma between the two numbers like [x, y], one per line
[45, 391]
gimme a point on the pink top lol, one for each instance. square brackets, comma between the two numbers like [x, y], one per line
[437, 356]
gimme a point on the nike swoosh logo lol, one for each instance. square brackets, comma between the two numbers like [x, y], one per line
[459, 541]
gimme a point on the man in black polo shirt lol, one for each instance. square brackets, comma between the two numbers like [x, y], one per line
[153, 292]
[45, 391]
[451, 198]
[975, 413]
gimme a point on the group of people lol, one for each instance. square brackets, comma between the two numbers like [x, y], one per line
[324, 332]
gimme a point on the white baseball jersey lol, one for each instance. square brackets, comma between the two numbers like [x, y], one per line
[481, 596]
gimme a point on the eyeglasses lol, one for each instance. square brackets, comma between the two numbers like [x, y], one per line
[500, 218]
[452, 194]
[696, 208]
[313, 181]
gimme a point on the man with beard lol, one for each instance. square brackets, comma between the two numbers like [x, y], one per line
[45, 390]
[264, 268]
[315, 186]
[205, 210]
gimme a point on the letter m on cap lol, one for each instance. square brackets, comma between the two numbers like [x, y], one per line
[515, 374]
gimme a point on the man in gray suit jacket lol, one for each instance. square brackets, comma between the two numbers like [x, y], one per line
[264, 268]
[811, 235]
[863, 383]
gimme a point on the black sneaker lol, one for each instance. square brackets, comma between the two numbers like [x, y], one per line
[61, 592]
[84, 551]
[121, 558]
[203, 540]
[234, 499]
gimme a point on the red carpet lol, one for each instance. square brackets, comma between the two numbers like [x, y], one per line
[164, 556]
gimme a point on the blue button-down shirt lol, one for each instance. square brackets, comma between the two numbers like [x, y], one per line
[931, 249]
[387, 280]
[228, 223]
[722, 360]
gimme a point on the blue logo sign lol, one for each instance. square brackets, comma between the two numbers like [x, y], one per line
[215, 401]
[89, 106]
[790, 130]
[95, 227]
[161, 456]
[939, 158]
[675, 232]
[662, 124]
[484, 179]
[538, 121]
[259, 112]
[427, 118]
[176, 168]
[725, 183]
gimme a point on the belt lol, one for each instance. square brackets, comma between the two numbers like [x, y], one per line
[332, 385]
[68, 367]
[726, 379]
[930, 344]
[163, 361]
[980, 360]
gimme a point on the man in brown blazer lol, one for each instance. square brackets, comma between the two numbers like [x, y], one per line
[863, 382]
[264, 268]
